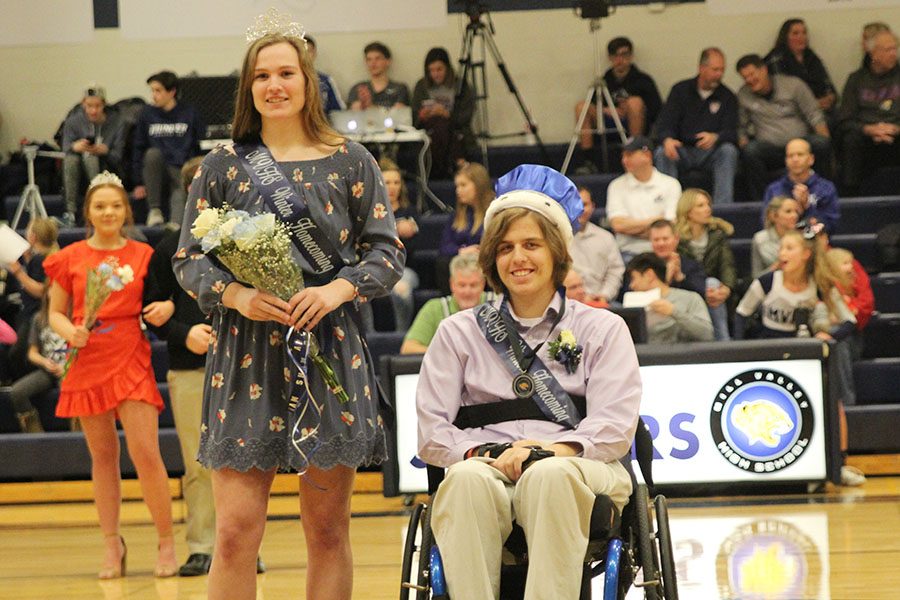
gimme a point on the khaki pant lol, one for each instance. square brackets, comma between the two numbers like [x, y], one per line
[474, 508]
[186, 394]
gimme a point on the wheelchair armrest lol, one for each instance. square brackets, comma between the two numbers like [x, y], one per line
[606, 522]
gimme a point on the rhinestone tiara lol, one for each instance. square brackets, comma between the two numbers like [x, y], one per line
[273, 21]
[106, 178]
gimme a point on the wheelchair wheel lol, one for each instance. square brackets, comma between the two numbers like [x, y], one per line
[646, 552]
[667, 556]
[425, 557]
[409, 551]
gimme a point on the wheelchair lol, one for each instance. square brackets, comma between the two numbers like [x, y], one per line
[620, 545]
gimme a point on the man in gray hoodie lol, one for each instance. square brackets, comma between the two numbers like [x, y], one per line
[93, 140]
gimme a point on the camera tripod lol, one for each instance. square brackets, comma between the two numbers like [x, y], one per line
[598, 96]
[31, 200]
[473, 74]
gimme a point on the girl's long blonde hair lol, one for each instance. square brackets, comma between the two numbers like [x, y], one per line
[484, 194]
[247, 123]
[818, 267]
[386, 164]
[686, 203]
[835, 257]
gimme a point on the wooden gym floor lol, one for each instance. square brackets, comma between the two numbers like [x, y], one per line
[841, 544]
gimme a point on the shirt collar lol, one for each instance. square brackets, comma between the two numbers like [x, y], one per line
[549, 314]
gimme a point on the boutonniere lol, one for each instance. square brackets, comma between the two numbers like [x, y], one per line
[566, 350]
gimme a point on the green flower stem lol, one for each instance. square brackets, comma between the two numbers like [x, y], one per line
[329, 376]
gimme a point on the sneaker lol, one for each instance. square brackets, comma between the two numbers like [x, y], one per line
[155, 217]
[851, 476]
[587, 168]
[197, 564]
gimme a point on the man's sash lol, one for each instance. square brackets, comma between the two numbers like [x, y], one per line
[549, 395]
[290, 207]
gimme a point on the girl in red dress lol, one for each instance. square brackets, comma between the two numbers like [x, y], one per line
[112, 375]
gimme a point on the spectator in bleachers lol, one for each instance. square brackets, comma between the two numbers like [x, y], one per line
[869, 117]
[639, 197]
[596, 256]
[854, 285]
[801, 298]
[466, 290]
[841, 262]
[331, 95]
[792, 55]
[773, 110]
[682, 272]
[574, 284]
[112, 375]
[637, 101]
[462, 234]
[405, 215]
[803, 279]
[47, 352]
[445, 116]
[93, 140]
[817, 197]
[379, 89]
[41, 234]
[167, 134]
[869, 31]
[698, 127]
[782, 214]
[704, 238]
[678, 315]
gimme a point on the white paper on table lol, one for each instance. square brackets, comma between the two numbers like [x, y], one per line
[640, 299]
[12, 245]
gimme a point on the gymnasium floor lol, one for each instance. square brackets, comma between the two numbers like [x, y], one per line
[841, 544]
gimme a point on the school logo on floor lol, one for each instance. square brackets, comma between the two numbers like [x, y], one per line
[761, 421]
[771, 558]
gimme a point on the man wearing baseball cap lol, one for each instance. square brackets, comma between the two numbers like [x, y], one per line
[93, 140]
[639, 197]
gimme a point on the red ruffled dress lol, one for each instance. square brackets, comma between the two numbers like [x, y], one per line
[115, 364]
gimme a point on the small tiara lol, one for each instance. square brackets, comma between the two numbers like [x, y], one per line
[273, 21]
[106, 178]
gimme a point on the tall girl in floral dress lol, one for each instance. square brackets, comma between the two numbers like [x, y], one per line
[248, 429]
[112, 376]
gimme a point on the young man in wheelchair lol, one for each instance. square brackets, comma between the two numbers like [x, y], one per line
[567, 379]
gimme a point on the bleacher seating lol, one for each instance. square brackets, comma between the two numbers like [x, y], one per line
[60, 453]
[886, 287]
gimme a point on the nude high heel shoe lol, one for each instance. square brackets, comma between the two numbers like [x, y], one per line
[114, 572]
[165, 567]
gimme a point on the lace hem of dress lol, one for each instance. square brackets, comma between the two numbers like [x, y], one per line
[242, 455]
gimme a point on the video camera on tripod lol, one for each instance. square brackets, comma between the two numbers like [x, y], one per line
[473, 74]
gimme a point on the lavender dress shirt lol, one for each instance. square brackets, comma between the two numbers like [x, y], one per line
[462, 369]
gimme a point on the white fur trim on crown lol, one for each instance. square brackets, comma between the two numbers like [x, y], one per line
[536, 201]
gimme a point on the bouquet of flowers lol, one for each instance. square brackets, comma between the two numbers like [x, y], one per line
[102, 281]
[257, 250]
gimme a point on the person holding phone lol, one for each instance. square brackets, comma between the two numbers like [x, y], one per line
[93, 140]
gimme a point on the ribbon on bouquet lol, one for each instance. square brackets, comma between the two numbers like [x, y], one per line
[297, 342]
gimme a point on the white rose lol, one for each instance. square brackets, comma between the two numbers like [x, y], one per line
[205, 221]
[265, 222]
[567, 338]
[227, 227]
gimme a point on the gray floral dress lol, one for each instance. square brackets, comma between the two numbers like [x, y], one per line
[246, 421]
